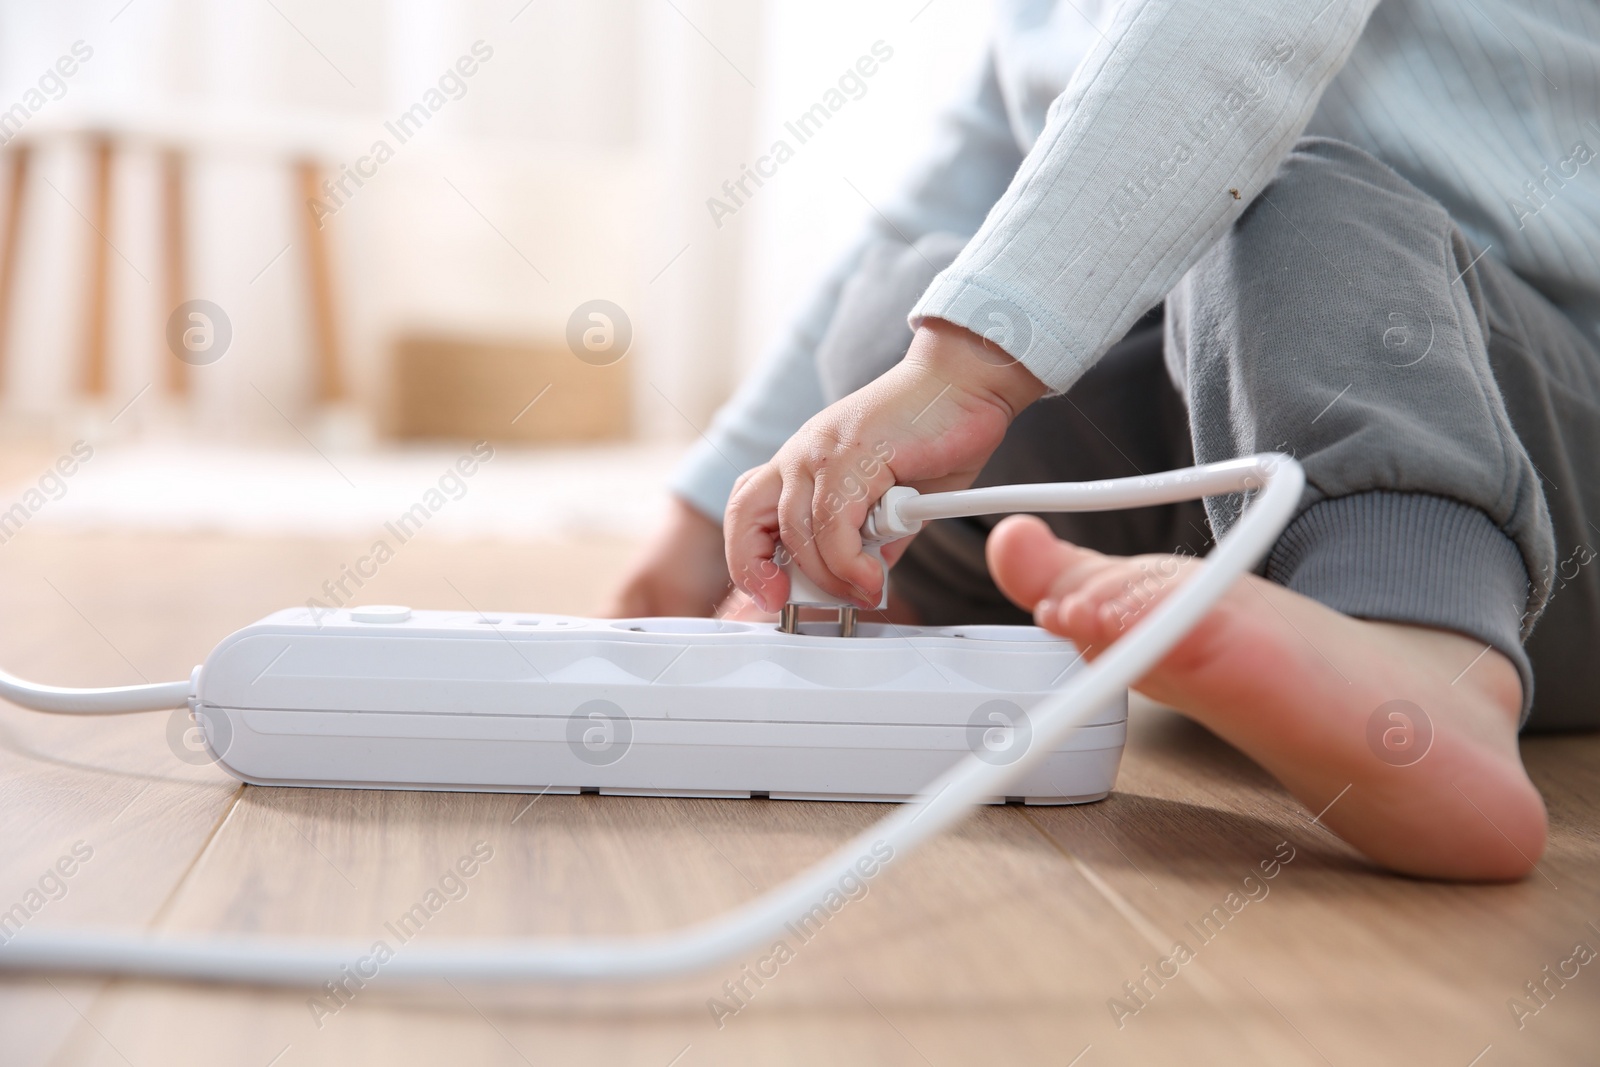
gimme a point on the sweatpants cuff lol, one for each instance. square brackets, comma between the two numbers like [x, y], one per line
[1411, 558]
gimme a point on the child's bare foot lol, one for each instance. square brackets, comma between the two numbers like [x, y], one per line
[1436, 784]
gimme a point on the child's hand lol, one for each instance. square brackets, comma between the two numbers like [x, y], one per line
[931, 423]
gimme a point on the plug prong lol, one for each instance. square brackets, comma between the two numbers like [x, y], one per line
[789, 619]
[847, 621]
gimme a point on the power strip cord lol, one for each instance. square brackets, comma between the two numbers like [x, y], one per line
[1276, 482]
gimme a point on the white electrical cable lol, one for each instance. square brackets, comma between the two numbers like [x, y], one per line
[256, 959]
[118, 700]
[1213, 479]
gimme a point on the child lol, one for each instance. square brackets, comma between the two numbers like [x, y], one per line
[1376, 232]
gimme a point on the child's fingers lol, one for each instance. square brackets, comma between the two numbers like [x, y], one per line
[798, 526]
[750, 529]
[843, 496]
[892, 551]
[738, 607]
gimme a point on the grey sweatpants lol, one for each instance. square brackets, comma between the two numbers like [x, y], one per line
[1446, 413]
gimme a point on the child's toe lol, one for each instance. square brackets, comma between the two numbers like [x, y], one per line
[1029, 563]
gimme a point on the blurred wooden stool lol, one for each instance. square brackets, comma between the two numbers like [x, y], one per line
[328, 377]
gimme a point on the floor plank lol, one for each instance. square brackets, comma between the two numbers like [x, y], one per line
[100, 609]
[1009, 940]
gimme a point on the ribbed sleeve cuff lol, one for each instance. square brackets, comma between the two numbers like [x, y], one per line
[1411, 558]
[1025, 327]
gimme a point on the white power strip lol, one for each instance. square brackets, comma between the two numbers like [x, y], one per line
[354, 700]
[387, 697]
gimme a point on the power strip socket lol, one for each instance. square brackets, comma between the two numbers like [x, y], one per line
[389, 698]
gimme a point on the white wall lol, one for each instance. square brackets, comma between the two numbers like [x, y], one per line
[804, 218]
[577, 165]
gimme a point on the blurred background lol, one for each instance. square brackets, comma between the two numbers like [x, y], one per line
[279, 262]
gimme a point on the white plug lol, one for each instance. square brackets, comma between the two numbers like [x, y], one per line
[884, 524]
[804, 593]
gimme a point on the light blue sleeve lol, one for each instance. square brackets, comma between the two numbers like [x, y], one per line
[1167, 132]
[971, 163]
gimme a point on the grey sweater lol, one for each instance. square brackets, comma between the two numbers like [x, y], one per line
[1090, 187]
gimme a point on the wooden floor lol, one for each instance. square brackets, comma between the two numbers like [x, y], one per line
[1007, 942]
